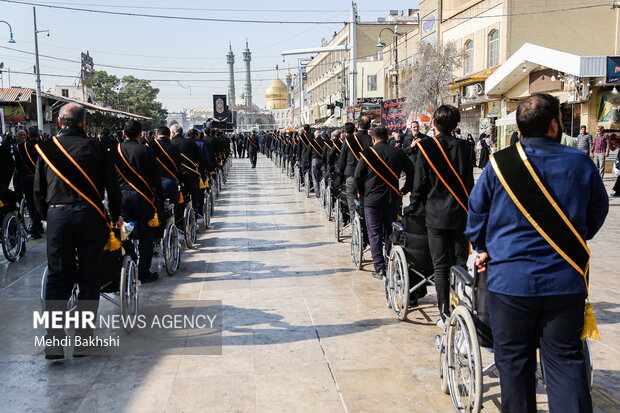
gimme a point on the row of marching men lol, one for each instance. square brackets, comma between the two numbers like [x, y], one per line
[528, 218]
[86, 188]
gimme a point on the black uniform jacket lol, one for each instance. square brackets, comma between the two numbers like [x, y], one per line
[442, 209]
[96, 162]
[172, 151]
[142, 159]
[347, 161]
[375, 190]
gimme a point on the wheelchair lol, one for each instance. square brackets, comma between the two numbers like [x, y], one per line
[409, 266]
[359, 236]
[465, 332]
[341, 210]
[322, 186]
[13, 233]
[169, 246]
[190, 227]
[120, 284]
[297, 176]
[307, 183]
[25, 214]
[326, 194]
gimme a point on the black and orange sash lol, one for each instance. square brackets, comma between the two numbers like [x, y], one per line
[67, 169]
[530, 195]
[338, 144]
[443, 168]
[164, 159]
[381, 168]
[26, 158]
[355, 146]
[317, 148]
[190, 165]
[253, 141]
[133, 178]
[304, 140]
[329, 143]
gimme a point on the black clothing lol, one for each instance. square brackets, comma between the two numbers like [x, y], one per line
[50, 189]
[142, 159]
[553, 323]
[376, 192]
[7, 164]
[485, 151]
[173, 152]
[347, 161]
[26, 157]
[407, 140]
[316, 147]
[442, 209]
[137, 209]
[108, 142]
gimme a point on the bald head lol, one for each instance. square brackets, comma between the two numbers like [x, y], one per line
[71, 114]
[176, 129]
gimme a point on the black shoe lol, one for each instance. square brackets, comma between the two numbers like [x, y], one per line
[54, 353]
[149, 278]
[380, 275]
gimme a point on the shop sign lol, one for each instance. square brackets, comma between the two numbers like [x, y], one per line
[613, 69]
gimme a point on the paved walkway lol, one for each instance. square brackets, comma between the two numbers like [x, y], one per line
[303, 330]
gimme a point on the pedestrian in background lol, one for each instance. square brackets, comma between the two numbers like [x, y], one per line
[600, 149]
[584, 140]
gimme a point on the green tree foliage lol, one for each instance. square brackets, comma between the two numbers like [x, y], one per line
[130, 94]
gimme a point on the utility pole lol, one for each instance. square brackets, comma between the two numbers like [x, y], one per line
[38, 72]
[616, 6]
[397, 73]
[353, 55]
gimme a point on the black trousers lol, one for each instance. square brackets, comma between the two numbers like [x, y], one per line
[379, 226]
[27, 186]
[253, 157]
[240, 150]
[76, 235]
[553, 323]
[448, 247]
[616, 187]
[134, 208]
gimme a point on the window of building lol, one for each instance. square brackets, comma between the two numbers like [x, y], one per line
[469, 56]
[494, 48]
[372, 83]
[64, 92]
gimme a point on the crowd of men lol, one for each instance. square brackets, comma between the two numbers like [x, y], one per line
[85, 187]
[527, 218]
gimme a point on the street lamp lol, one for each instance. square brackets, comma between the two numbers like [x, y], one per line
[381, 44]
[11, 40]
[38, 70]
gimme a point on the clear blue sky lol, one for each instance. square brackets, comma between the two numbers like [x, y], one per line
[171, 44]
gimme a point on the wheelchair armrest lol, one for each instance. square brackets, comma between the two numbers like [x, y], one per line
[357, 203]
[397, 226]
[461, 272]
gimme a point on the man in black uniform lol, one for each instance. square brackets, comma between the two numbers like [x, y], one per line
[252, 144]
[411, 139]
[352, 146]
[107, 140]
[377, 178]
[304, 150]
[26, 158]
[168, 159]
[77, 225]
[316, 155]
[192, 164]
[143, 195]
[444, 197]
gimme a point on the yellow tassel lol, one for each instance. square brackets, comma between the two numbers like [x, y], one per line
[589, 325]
[201, 184]
[399, 218]
[113, 243]
[181, 200]
[1, 204]
[154, 222]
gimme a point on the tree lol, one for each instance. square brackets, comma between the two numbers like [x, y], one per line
[428, 80]
[130, 94]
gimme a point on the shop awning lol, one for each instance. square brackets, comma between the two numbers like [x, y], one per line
[509, 119]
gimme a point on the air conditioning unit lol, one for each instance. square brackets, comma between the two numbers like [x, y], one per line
[472, 91]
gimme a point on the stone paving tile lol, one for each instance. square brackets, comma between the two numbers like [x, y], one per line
[303, 330]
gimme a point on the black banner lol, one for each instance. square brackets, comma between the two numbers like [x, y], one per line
[221, 112]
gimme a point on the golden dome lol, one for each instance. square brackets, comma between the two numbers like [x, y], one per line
[276, 95]
[277, 89]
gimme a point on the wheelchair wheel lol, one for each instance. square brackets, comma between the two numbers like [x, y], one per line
[398, 282]
[73, 299]
[24, 213]
[215, 186]
[128, 294]
[307, 184]
[219, 181]
[189, 224]
[297, 180]
[338, 225]
[211, 203]
[357, 242]
[322, 193]
[12, 237]
[206, 213]
[327, 205]
[171, 248]
[443, 362]
[464, 364]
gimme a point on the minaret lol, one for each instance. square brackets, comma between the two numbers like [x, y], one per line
[247, 57]
[230, 59]
[289, 81]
